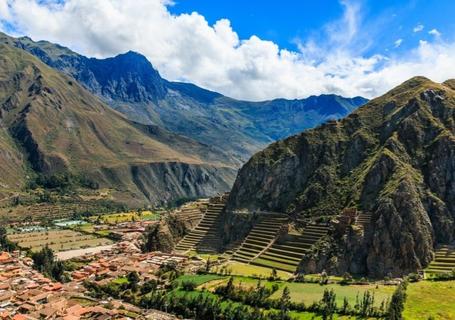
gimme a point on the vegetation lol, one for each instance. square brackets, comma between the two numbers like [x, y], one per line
[396, 305]
[430, 300]
[5, 243]
[44, 261]
[62, 181]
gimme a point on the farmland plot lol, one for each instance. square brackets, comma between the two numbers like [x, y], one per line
[57, 240]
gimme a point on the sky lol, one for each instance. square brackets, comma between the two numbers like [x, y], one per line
[256, 50]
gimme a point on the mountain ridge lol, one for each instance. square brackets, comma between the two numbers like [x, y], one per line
[393, 157]
[137, 90]
[53, 125]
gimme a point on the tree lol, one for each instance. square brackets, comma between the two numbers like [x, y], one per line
[396, 305]
[133, 280]
[44, 262]
[273, 275]
[284, 303]
[5, 244]
[328, 304]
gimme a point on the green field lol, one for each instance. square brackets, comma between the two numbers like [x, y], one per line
[248, 270]
[300, 292]
[312, 292]
[57, 240]
[199, 279]
[125, 217]
[430, 298]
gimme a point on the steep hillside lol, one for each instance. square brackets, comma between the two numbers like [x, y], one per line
[393, 158]
[130, 84]
[62, 128]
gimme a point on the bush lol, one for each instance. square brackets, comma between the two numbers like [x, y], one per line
[188, 285]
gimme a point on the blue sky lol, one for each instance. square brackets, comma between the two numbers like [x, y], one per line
[256, 50]
[285, 21]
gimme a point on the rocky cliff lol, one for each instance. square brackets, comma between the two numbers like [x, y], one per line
[393, 158]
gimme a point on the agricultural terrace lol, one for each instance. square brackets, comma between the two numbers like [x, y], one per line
[57, 240]
[132, 216]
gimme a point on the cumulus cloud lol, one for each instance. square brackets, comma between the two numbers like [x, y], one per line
[434, 32]
[186, 47]
[418, 28]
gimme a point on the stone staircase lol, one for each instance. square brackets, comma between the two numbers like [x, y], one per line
[260, 237]
[364, 220]
[286, 253]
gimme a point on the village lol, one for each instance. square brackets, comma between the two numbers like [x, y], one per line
[25, 293]
[107, 266]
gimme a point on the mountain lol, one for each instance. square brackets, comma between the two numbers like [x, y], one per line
[51, 125]
[130, 84]
[393, 158]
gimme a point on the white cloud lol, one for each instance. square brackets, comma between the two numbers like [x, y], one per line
[186, 47]
[434, 32]
[398, 42]
[418, 28]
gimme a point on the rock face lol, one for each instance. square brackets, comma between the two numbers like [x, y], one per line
[130, 84]
[393, 157]
[51, 125]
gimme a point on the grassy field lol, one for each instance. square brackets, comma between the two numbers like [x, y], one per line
[312, 292]
[306, 292]
[248, 270]
[57, 240]
[430, 298]
[200, 279]
[210, 281]
[125, 217]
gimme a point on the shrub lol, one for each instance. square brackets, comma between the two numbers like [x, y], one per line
[188, 285]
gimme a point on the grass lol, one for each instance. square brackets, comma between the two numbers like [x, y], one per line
[200, 279]
[430, 298]
[211, 281]
[125, 217]
[308, 292]
[121, 280]
[248, 270]
[312, 292]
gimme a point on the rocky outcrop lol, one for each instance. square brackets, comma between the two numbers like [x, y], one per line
[394, 157]
[164, 183]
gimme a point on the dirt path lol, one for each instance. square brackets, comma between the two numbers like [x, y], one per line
[65, 255]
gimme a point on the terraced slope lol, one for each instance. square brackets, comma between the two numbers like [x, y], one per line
[364, 220]
[260, 237]
[205, 231]
[286, 254]
[193, 212]
[444, 261]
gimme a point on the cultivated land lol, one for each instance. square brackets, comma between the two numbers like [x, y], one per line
[116, 218]
[430, 298]
[249, 270]
[57, 240]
